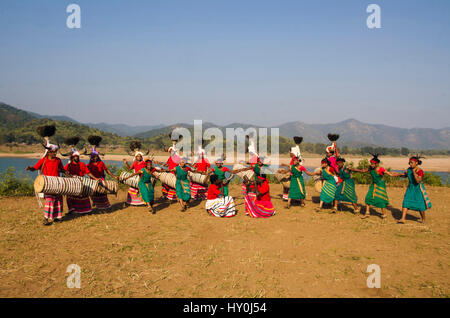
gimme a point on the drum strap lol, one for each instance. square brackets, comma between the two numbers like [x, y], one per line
[40, 172]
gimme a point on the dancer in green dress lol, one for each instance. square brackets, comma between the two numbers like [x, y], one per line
[345, 191]
[183, 184]
[416, 197]
[146, 190]
[297, 190]
[329, 187]
[377, 195]
[219, 170]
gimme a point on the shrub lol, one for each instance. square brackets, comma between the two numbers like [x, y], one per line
[12, 185]
[432, 179]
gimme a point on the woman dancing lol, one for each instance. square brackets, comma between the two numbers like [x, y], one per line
[377, 195]
[133, 197]
[259, 204]
[50, 165]
[146, 190]
[183, 189]
[76, 168]
[416, 197]
[217, 204]
[201, 165]
[219, 170]
[98, 168]
[297, 190]
[345, 191]
[328, 192]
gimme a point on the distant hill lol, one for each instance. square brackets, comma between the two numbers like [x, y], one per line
[122, 129]
[19, 125]
[54, 117]
[357, 133]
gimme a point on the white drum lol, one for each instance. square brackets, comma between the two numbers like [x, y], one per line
[166, 178]
[318, 181]
[249, 173]
[58, 185]
[198, 178]
[132, 182]
[284, 179]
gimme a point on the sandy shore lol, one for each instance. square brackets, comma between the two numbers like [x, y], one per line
[441, 164]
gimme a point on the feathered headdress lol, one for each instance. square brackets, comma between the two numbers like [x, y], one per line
[374, 158]
[417, 159]
[333, 148]
[296, 149]
[46, 132]
[136, 146]
[95, 142]
[72, 141]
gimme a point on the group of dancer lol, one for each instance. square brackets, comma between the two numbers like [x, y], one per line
[337, 183]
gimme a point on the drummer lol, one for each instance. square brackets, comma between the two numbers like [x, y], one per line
[50, 165]
[133, 197]
[201, 165]
[98, 168]
[78, 204]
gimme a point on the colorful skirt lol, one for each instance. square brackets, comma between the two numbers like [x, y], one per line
[244, 189]
[198, 191]
[377, 196]
[169, 193]
[416, 198]
[328, 192]
[183, 190]
[79, 204]
[258, 209]
[53, 207]
[133, 197]
[221, 207]
[100, 201]
[345, 191]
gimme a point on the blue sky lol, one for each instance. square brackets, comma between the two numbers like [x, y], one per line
[262, 62]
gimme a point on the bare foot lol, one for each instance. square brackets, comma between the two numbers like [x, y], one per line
[365, 216]
[401, 221]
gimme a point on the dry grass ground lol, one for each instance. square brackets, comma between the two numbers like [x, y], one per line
[297, 253]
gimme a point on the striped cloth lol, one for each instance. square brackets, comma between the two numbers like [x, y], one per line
[169, 193]
[100, 201]
[425, 196]
[198, 191]
[53, 207]
[79, 204]
[221, 207]
[133, 197]
[258, 209]
[285, 194]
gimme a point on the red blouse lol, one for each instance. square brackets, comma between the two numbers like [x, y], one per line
[213, 192]
[97, 169]
[202, 165]
[77, 169]
[137, 166]
[49, 167]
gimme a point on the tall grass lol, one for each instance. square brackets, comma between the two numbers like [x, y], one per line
[12, 184]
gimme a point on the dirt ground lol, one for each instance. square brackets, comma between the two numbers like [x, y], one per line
[297, 253]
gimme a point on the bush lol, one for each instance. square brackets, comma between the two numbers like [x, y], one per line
[432, 179]
[12, 185]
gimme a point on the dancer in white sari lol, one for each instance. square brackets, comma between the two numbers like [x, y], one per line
[217, 204]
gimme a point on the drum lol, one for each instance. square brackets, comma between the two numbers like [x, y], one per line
[89, 185]
[107, 187]
[284, 179]
[58, 185]
[167, 178]
[132, 182]
[249, 173]
[198, 178]
[318, 181]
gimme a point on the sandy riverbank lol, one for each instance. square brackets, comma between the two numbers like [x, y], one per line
[441, 164]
